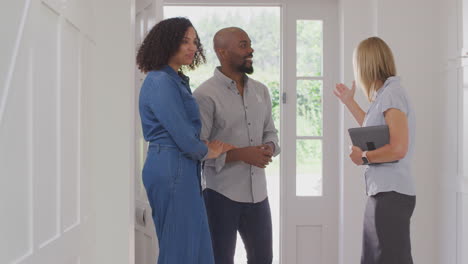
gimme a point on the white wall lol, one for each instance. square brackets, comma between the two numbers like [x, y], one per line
[415, 38]
[413, 31]
[111, 110]
[354, 28]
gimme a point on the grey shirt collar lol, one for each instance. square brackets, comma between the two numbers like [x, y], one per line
[231, 84]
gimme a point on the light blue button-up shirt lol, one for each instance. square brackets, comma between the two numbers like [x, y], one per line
[387, 177]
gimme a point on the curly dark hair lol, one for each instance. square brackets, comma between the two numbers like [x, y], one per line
[163, 42]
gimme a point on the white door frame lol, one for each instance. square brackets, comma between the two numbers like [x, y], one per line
[147, 13]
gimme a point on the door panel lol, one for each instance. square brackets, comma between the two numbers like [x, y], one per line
[16, 117]
[45, 120]
[41, 168]
[16, 15]
[70, 125]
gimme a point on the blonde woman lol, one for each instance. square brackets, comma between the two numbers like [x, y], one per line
[389, 186]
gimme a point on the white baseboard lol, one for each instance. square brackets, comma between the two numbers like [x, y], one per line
[462, 228]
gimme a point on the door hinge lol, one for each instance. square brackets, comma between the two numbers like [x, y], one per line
[284, 97]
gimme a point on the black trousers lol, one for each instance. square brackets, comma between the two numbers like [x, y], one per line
[251, 220]
[386, 236]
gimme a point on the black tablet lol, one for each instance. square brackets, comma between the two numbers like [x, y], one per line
[369, 138]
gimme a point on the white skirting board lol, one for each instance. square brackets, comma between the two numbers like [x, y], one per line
[462, 228]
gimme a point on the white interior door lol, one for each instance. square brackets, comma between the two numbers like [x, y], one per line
[146, 242]
[462, 192]
[463, 196]
[310, 181]
[46, 61]
[459, 73]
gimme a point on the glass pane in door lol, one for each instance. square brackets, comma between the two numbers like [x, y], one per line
[309, 167]
[309, 108]
[309, 49]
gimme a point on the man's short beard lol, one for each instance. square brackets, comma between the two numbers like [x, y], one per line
[245, 69]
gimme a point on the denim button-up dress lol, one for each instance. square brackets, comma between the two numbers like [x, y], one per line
[171, 175]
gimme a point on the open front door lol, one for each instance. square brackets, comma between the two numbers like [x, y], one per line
[310, 179]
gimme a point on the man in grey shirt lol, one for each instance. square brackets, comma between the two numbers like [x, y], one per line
[237, 110]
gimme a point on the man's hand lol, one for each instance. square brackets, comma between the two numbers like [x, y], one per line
[256, 155]
[267, 147]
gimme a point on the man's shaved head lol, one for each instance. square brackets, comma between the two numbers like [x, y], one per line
[233, 49]
[223, 38]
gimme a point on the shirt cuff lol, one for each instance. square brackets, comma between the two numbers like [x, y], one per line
[206, 155]
[275, 147]
[272, 146]
[220, 162]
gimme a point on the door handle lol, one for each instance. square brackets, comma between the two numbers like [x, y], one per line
[140, 216]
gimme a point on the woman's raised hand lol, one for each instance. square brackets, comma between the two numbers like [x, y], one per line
[345, 94]
[216, 148]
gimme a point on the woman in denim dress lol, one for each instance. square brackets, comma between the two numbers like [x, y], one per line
[389, 185]
[171, 124]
